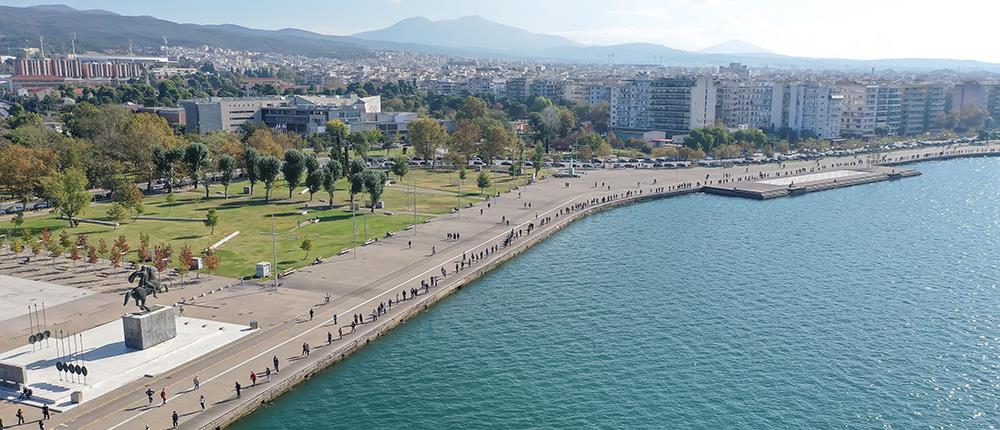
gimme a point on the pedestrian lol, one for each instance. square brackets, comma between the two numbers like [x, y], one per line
[149, 394]
[45, 412]
[329, 338]
[334, 318]
[175, 418]
[238, 387]
[41, 425]
[267, 373]
[310, 314]
[433, 250]
[201, 401]
[276, 364]
[20, 416]
[409, 244]
[253, 378]
[163, 395]
[197, 383]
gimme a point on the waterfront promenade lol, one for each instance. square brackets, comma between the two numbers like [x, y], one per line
[374, 276]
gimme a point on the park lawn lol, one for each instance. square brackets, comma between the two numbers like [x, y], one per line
[251, 216]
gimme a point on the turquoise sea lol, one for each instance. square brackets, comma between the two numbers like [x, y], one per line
[876, 306]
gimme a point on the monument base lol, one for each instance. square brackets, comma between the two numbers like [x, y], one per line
[147, 329]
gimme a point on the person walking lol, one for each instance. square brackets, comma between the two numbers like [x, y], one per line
[310, 314]
[197, 383]
[174, 417]
[253, 378]
[45, 412]
[267, 373]
[238, 387]
[149, 395]
[275, 359]
[20, 416]
[163, 396]
[329, 338]
[201, 401]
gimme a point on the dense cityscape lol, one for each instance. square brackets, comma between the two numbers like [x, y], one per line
[270, 203]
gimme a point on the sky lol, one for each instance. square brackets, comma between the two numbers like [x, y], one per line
[858, 29]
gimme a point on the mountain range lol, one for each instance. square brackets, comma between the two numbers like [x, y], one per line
[470, 36]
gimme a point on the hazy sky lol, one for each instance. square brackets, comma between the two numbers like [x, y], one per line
[864, 29]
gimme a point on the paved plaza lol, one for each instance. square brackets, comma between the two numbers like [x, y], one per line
[18, 294]
[813, 177]
[109, 362]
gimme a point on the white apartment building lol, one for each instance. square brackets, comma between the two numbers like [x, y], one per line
[675, 105]
[809, 106]
[744, 104]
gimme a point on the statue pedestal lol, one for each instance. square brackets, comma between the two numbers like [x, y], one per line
[147, 329]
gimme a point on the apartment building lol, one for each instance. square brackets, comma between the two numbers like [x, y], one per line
[551, 89]
[587, 92]
[744, 103]
[808, 107]
[921, 106]
[674, 105]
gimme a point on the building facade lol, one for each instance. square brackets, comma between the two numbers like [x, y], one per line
[673, 105]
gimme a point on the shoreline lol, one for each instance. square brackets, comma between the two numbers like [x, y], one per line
[263, 398]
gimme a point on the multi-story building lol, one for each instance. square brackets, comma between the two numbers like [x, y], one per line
[224, 113]
[970, 94]
[551, 89]
[673, 105]
[309, 114]
[587, 92]
[857, 112]
[744, 103]
[921, 106]
[807, 107]
[86, 67]
[517, 88]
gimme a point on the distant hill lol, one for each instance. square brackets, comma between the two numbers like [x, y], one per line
[472, 36]
[735, 47]
[465, 32]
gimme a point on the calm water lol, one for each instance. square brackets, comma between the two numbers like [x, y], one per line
[866, 307]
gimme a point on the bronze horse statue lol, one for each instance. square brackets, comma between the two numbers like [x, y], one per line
[147, 284]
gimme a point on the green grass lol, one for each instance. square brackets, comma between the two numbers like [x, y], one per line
[250, 215]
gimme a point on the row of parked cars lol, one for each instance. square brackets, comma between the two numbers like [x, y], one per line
[17, 207]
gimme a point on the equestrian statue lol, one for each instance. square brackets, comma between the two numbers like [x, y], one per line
[147, 284]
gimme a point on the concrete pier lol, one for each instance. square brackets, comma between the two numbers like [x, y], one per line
[792, 185]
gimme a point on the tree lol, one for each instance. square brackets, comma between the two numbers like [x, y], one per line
[464, 142]
[312, 165]
[92, 254]
[472, 108]
[68, 192]
[483, 181]
[498, 141]
[74, 254]
[161, 257]
[130, 197]
[360, 143]
[196, 157]
[184, 261]
[102, 248]
[334, 171]
[211, 263]
[64, 239]
[291, 169]
[374, 185]
[212, 219]
[336, 133]
[314, 182]
[267, 168]
[18, 220]
[143, 249]
[227, 166]
[537, 158]
[306, 246]
[164, 161]
[250, 163]
[23, 169]
[426, 136]
[399, 167]
[117, 213]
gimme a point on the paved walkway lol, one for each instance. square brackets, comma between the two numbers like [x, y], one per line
[361, 282]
